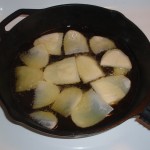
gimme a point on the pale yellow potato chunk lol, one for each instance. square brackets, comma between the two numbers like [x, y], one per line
[52, 42]
[120, 71]
[90, 110]
[75, 42]
[27, 78]
[36, 57]
[67, 101]
[99, 44]
[116, 58]
[112, 89]
[45, 94]
[62, 72]
[46, 119]
[88, 68]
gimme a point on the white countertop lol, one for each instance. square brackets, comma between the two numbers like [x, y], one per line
[130, 135]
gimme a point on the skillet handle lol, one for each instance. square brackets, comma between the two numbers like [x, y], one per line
[142, 112]
[145, 115]
[14, 15]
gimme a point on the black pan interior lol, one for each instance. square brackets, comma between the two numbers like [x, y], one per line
[89, 20]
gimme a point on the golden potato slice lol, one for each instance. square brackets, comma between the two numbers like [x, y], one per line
[67, 100]
[116, 58]
[45, 94]
[90, 110]
[52, 42]
[112, 89]
[88, 68]
[62, 72]
[120, 71]
[27, 78]
[36, 57]
[75, 42]
[99, 44]
[46, 119]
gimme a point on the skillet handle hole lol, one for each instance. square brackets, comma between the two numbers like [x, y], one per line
[15, 21]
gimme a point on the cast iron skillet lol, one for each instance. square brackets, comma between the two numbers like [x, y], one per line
[86, 19]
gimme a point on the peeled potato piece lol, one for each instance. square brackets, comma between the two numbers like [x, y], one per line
[45, 94]
[88, 68]
[36, 57]
[52, 42]
[62, 72]
[90, 110]
[67, 101]
[112, 89]
[116, 58]
[99, 44]
[120, 71]
[75, 42]
[46, 119]
[27, 78]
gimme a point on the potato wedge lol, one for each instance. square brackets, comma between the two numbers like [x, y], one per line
[27, 78]
[88, 68]
[52, 42]
[67, 101]
[90, 110]
[36, 57]
[75, 42]
[112, 89]
[62, 72]
[46, 119]
[116, 58]
[45, 94]
[120, 71]
[99, 44]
